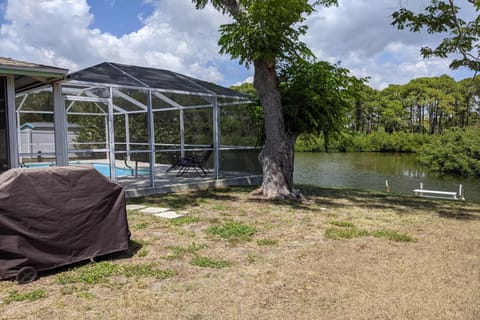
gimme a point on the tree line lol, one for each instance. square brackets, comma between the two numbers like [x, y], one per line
[423, 105]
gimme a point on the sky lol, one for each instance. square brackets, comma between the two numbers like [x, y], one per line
[173, 35]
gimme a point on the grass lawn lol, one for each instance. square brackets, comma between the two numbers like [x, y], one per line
[344, 255]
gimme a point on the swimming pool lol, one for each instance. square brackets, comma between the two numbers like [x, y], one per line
[103, 168]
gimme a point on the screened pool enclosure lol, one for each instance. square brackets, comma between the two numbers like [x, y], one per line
[138, 119]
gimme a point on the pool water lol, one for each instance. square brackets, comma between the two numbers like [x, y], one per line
[103, 168]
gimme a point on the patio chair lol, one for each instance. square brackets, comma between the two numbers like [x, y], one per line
[195, 162]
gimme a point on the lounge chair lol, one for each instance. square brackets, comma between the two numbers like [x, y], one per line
[195, 162]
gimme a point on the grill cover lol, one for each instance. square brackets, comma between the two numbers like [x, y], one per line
[55, 216]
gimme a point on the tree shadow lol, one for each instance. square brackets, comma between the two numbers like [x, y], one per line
[401, 204]
[179, 201]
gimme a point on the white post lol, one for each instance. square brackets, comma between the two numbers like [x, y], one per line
[387, 186]
[60, 124]
[12, 126]
[460, 192]
[216, 137]
[111, 136]
[182, 133]
[421, 185]
[151, 139]
[127, 136]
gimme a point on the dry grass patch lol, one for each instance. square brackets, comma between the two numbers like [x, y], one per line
[344, 255]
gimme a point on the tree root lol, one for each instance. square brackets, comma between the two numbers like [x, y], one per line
[294, 194]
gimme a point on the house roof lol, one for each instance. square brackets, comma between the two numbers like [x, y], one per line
[30, 75]
[145, 77]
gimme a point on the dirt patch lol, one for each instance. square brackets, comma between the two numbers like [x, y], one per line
[289, 268]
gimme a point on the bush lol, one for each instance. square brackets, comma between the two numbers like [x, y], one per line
[456, 151]
[378, 141]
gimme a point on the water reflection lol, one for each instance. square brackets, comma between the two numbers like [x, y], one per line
[370, 170]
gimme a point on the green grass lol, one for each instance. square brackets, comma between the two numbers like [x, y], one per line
[180, 221]
[267, 242]
[99, 272]
[345, 233]
[347, 230]
[29, 296]
[233, 230]
[210, 263]
[141, 226]
[180, 252]
[343, 224]
[392, 235]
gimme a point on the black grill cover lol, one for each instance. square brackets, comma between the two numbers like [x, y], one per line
[55, 216]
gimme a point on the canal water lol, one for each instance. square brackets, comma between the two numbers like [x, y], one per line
[369, 171]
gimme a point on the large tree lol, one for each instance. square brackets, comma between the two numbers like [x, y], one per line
[265, 34]
[445, 17]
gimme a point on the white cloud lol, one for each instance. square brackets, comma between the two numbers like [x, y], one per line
[58, 32]
[247, 80]
[360, 35]
[180, 38]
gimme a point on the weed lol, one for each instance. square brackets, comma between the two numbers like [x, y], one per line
[85, 295]
[267, 242]
[350, 231]
[98, 272]
[184, 220]
[29, 296]
[180, 252]
[343, 224]
[392, 235]
[142, 253]
[210, 263]
[251, 258]
[141, 226]
[345, 233]
[233, 230]
[68, 290]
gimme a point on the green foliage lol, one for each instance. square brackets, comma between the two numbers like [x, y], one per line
[377, 141]
[98, 272]
[233, 230]
[266, 30]
[210, 263]
[455, 152]
[316, 97]
[28, 296]
[444, 17]
[380, 141]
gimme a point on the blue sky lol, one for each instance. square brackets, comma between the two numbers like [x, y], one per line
[119, 17]
[172, 34]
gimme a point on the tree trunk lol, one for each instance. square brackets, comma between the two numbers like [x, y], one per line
[277, 156]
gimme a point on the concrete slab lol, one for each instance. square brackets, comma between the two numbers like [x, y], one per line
[168, 215]
[152, 210]
[135, 206]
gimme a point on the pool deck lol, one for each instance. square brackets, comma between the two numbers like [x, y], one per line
[167, 182]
